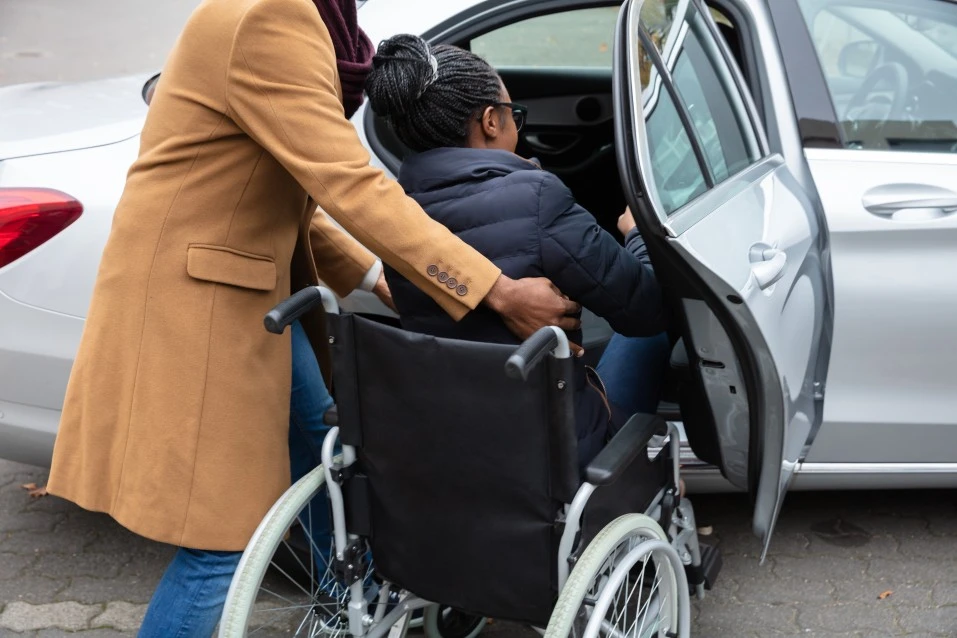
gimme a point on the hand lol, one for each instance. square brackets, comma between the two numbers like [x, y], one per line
[381, 290]
[626, 222]
[529, 304]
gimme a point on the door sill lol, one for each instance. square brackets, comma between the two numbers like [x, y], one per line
[702, 478]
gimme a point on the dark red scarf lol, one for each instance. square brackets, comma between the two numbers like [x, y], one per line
[354, 49]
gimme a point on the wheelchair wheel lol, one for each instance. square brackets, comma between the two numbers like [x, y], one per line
[629, 582]
[289, 588]
[442, 621]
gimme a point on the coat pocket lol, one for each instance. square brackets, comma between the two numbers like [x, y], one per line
[224, 265]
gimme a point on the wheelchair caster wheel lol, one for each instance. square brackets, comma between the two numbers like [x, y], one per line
[441, 621]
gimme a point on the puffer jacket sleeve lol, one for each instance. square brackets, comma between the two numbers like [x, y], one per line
[588, 265]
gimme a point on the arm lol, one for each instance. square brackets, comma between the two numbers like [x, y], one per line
[282, 92]
[342, 263]
[589, 265]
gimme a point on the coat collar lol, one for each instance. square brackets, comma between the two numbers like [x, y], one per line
[443, 167]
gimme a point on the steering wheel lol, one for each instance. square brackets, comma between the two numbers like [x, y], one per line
[861, 106]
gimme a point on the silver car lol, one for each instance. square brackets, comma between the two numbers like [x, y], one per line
[792, 165]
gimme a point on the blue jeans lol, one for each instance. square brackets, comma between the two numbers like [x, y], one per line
[309, 403]
[632, 369]
[189, 599]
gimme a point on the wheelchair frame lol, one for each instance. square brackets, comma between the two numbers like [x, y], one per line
[681, 547]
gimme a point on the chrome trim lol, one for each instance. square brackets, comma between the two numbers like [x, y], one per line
[877, 468]
[879, 157]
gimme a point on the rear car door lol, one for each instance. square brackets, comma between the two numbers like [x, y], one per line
[888, 181]
[738, 243]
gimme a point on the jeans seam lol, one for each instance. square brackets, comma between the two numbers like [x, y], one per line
[185, 627]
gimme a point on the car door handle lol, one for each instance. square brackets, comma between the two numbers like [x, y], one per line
[553, 143]
[910, 202]
[767, 264]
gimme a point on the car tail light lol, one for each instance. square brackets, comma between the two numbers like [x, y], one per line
[31, 216]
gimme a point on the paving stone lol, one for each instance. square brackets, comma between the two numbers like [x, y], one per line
[835, 618]
[101, 590]
[20, 616]
[12, 565]
[56, 565]
[89, 633]
[928, 620]
[30, 589]
[737, 620]
[869, 590]
[833, 569]
[945, 593]
[30, 543]
[121, 616]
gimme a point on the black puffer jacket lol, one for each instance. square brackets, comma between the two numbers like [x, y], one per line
[526, 221]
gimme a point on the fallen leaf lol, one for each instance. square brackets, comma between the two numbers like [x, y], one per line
[34, 491]
[885, 594]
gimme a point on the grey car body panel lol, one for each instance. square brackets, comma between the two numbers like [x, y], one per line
[54, 118]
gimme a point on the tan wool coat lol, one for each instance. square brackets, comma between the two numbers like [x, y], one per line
[176, 416]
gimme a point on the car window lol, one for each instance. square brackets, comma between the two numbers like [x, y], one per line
[714, 103]
[577, 38]
[678, 177]
[891, 70]
[705, 96]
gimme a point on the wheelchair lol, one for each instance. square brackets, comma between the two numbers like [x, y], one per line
[451, 481]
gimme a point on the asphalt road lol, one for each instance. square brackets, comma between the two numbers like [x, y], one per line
[833, 562]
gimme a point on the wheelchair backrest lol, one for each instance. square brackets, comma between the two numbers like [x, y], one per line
[466, 469]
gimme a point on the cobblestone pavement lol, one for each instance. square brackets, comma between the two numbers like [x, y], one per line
[63, 569]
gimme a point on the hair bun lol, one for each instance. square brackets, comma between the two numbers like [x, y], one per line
[402, 69]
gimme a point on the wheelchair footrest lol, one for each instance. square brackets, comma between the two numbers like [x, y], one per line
[707, 572]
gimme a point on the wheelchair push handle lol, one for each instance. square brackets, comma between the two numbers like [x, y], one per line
[533, 350]
[295, 306]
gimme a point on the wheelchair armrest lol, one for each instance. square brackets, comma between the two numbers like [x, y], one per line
[630, 441]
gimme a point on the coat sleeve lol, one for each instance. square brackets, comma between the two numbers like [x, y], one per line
[282, 90]
[341, 261]
[588, 265]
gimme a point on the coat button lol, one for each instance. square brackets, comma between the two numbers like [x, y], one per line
[433, 270]
[443, 276]
[452, 282]
[462, 290]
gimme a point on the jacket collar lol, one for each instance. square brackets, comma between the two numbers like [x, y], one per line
[443, 167]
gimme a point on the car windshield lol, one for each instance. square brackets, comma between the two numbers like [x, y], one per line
[940, 33]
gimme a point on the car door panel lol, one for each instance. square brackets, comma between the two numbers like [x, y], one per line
[748, 253]
[895, 352]
[890, 196]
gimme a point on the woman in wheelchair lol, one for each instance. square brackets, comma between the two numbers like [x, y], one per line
[452, 109]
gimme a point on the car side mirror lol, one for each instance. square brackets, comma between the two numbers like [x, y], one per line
[857, 58]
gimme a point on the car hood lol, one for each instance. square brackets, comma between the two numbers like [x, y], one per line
[55, 117]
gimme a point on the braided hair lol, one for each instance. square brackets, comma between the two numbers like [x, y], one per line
[428, 95]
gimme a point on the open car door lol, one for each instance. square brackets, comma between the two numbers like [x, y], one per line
[739, 245]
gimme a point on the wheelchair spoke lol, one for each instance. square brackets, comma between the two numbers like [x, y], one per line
[290, 578]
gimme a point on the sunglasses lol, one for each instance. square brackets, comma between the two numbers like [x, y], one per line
[519, 112]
